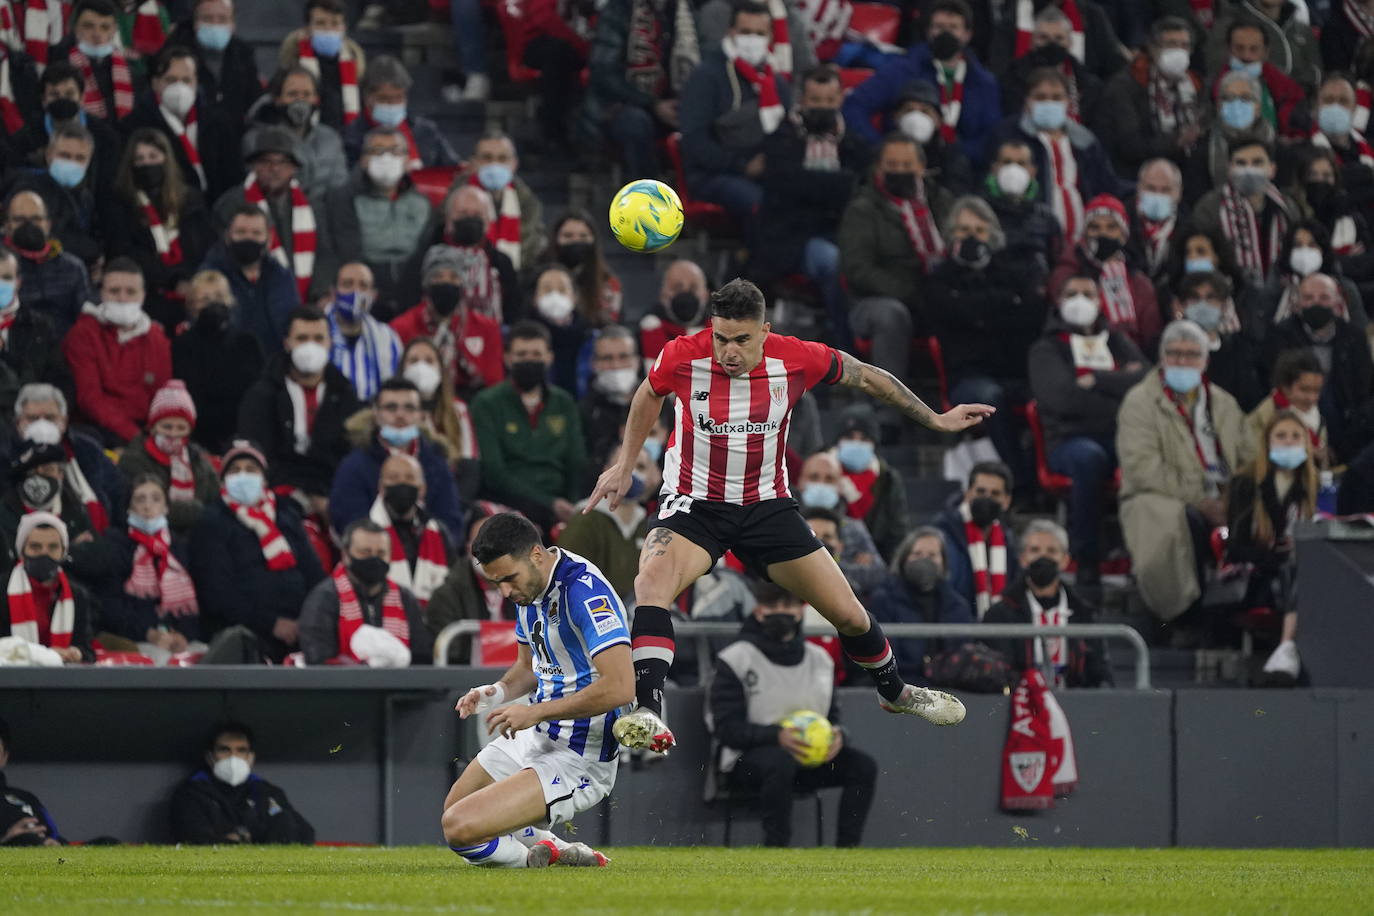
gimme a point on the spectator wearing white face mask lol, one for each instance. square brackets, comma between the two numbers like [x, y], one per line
[555, 307]
[1306, 251]
[119, 358]
[917, 114]
[1079, 372]
[615, 375]
[364, 349]
[1012, 190]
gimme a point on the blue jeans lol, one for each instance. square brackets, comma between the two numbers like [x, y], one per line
[821, 264]
[1090, 464]
[1002, 427]
[470, 35]
[632, 129]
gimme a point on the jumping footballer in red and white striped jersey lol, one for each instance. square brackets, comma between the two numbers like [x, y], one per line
[725, 488]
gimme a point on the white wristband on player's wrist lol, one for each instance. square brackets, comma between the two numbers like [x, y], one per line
[487, 701]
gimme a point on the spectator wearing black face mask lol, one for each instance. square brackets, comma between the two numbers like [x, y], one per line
[982, 548]
[1040, 596]
[918, 590]
[534, 455]
[768, 674]
[217, 361]
[61, 88]
[596, 288]
[421, 545]
[1052, 41]
[42, 605]
[266, 292]
[52, 282]
[681, 309]
[468, 340]
[488, 280]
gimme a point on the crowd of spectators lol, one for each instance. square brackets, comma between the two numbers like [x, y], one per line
[265, 388]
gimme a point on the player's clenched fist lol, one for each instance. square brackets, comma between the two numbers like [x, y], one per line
[481, 698]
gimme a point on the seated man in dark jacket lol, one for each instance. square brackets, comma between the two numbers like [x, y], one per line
[919, 591]
[1012, 190]
[1204, 298]
[1040, 596]
[225, 802]
[768, 674]
[981, 551]
[384, 90]
[32, 349]
[1079, 373]
[813, 159]
[24, 820]
[227, 66]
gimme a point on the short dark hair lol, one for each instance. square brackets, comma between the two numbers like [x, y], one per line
[738, 300]
[1046, 75]
[1238, 24]
[528, 330]
[329, 6]
[956, 7]
[123, 265]
[811, 513]
[1079, 274]
[58, 72]
[99, 7]
[1190, 282]
[7, 253]
[304, 313]
[821, 74]
[1166, 24]
[228, 727]
[993, 468]
[769, 594]
[396, 383]
[1245, 140]
[171, 53]
[747, 8]
[249, 210]
[363, 524]
[505, 534]
[897, 138]
[1293, 364]
[278, 80]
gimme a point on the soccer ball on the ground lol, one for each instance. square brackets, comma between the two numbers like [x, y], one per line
[816, 731]
[646, 215]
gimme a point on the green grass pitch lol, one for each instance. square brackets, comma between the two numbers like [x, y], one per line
[646, 881]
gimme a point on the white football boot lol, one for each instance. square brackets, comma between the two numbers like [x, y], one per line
[935, 706]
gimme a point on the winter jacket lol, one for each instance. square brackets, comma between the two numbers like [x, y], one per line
[478, 337]
[602, 422]
[411, 290]
[1289, 99]
[279, 220]
[524, 462]
[216, 137]
[1241, 544]
[83, 623]
[102, 71]
[432, 146]
[1348, 384]
[260, 308]
[205, 810]
[800, 204]
[267, 417]
[355, 483]
[218, 368]
[1089, 665]
[233, 583]
[1149, 321]
[1292, 46]
[89, 558]
[1102, 48]
[609, 87]
[876, 253]
[55, 285]
[987, 317]
[29, 147]
[886, 519]
[128, 615]
[1027, 221]
[323, 164]
[713, 20]
[1095, 174]
[182, 514]
[608, 543]
[958, 567]
[319, 622]
[228, 79]
[876, 97]
[331, 87]
[115, 382]
[1087, 84]
[135, 240]
[15, 805]
[897, 602]
[1068, 410]
[1125, 122]
[32, 353]
[111, 489]
[364, 222]
[1160, 476]
[715, 90]
[77, 217]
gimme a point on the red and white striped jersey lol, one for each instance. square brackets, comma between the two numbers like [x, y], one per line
[730, 434]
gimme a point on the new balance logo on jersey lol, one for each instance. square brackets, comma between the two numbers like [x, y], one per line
[701, 395]
[748, 427]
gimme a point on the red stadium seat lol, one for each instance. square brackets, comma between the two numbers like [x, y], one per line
[878, 22]
[706, 215]
[851, 77]
[1057, 485]
[121, 659]
[496, 646]
[929, 347]
[435, 181]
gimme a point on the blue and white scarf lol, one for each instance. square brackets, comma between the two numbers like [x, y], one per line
[367, 361]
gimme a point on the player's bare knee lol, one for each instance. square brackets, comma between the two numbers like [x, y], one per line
[851, 621]
[459, 829]
[649, 589]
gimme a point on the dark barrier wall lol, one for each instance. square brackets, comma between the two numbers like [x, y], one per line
[368, 755]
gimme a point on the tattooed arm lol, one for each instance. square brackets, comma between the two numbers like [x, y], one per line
[884, 386]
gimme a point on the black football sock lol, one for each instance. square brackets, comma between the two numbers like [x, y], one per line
[651, 649]
[871, 652]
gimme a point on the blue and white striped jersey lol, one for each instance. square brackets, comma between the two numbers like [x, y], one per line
[577, 617]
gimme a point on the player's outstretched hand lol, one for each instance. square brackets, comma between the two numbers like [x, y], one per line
[480, 698]
[510, 719]
[612, 485]
[959, 418]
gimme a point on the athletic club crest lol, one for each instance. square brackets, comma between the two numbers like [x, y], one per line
[778, 393]
[1028, 768]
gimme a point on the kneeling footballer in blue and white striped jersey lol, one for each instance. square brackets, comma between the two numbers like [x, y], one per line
[555, 755]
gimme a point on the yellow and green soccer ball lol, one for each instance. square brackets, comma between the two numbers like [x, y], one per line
[646, 215]
[816, 731]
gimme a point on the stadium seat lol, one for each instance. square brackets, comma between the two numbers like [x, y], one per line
[1057, 485]
[927, 347]
[878, 22]
[495, 645]
[850, 77]
[122, 659]
[434, 182]
[706, 215]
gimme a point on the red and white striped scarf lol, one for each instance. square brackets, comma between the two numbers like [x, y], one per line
[262, 521]
[431, 561]
[178, 465]
[302, 262]
[187, 134]
[1062, 189]
[413, 160]
[1090, 352]
[1362, 148]
[348, 75]
[157, 573]
[10, 115]
[504, 231]
[822, 150]
[1205, 11]
[91, 99]
[761, 78]
[1173, 104]
[148, 34]
[166, 238]
[7, 318]
[95, 509]
[919, 223]
[988, 557]
[1364, 95]
[1360, 19]
[481, 283]
[1288, 296]
[1057, 647]
[38, 29]
[1025, 26]
[1158, 235]
[951, 98]
[1241, 225]
[827, 21]
[780, 49]
[24, 609]
[351, 613]
[1115, 279]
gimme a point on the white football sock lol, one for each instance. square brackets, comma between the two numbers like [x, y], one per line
[532, 835]
[502, 852]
